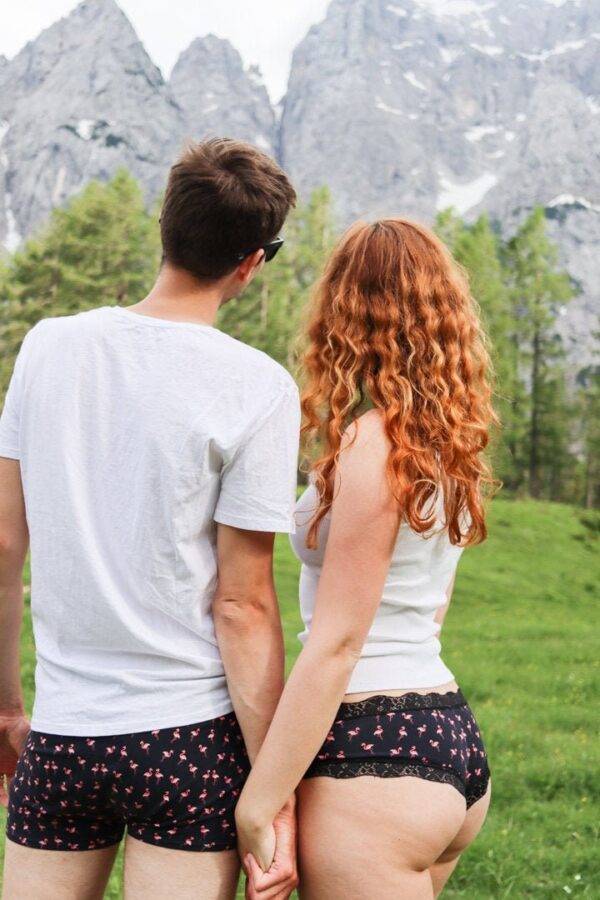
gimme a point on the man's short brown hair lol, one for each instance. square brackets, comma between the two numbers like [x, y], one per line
[223, 198]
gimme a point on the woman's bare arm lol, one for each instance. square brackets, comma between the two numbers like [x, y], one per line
[363, 529]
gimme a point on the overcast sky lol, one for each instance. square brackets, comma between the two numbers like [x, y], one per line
[264, 31]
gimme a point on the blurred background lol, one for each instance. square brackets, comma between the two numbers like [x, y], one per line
[479, 118]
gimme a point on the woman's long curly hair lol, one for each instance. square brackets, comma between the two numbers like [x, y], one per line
[393, 325]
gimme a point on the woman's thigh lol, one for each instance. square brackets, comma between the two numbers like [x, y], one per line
[154, 873]
[365, 837]
[446, 862]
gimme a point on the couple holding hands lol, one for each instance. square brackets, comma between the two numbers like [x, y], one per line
[147, 460]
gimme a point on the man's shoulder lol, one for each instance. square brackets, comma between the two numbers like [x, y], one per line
[258, 365]
[52, 325]
[39, 333]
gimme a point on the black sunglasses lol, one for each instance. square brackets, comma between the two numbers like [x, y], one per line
[270, 249]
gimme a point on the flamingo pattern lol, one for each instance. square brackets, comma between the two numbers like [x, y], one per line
[431, 736]
[172, 787]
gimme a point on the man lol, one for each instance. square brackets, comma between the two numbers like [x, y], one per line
[148, 459]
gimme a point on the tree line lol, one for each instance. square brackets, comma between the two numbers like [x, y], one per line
[104, 249]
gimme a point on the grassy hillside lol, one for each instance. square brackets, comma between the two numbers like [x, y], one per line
[521, 639]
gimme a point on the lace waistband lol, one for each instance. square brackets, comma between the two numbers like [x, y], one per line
[383, 703]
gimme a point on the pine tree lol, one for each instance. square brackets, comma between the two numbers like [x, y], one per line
[449, 227]
[269, 314]
[102, 249]
[589, 416]
[538, 290]
[478, 249]
[591, 497]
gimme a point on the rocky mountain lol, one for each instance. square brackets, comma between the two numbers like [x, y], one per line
[410, 106]
[450, 103]
[218, 96]
[400, 106]
[77, 103]
[85, 98]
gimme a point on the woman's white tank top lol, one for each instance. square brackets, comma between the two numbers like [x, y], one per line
[402, 649]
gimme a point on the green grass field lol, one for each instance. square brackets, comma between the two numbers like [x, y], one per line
[522, 640]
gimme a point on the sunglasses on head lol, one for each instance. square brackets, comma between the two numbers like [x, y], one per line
[270, 249]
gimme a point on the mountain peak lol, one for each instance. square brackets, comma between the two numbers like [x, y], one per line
[93, 10]
[209, 47]
[91, 28]
[95, 101]
[219, 96]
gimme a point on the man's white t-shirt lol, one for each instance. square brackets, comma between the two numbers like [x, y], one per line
[135, 436]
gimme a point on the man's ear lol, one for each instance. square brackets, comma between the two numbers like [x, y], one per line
[249, 266]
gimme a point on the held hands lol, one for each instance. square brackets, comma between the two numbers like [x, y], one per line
[14, 729]
[269, 855]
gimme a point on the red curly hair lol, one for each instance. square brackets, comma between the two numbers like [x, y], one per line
[393, 325]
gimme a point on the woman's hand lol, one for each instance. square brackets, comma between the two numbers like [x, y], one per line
[14, 728]
[277, 880]
[257, 840]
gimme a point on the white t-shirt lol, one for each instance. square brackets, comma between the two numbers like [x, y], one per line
[136, 435]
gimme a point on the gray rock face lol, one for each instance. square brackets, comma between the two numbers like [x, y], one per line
[403, 110]
[85, 98]
[575, 227]
[77, 103]
[219, 97]
[404, 107]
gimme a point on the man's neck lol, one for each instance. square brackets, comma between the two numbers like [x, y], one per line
[178, 296]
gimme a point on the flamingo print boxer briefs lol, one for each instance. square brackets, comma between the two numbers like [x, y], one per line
[172, 787]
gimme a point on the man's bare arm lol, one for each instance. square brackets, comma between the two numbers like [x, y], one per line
[14, 541]
[250, 636]
[248, 627]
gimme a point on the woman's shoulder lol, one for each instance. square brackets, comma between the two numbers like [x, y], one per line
[364, 453]
[364, 449]
[369, 428]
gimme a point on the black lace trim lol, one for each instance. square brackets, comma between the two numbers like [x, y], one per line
[383, 768]
[383, 703]
[478, 789]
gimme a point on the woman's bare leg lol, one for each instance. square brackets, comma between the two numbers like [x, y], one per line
[374, 837]
[442, 869]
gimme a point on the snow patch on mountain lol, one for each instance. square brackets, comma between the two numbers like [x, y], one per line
[85, 128]
[412, 79]
[489, 50]
[478, 132]
[593, 105]
[450, 54]
[571, 200]
[388, 109]
[463, 197]
[455, 7]
[558, 50]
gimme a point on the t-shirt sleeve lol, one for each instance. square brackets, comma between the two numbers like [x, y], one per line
[258, 484]
[11, 413]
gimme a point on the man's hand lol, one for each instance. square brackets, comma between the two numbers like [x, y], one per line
[14, 729]
[279, 880]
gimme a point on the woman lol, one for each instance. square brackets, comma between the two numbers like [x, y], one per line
[398, 392]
